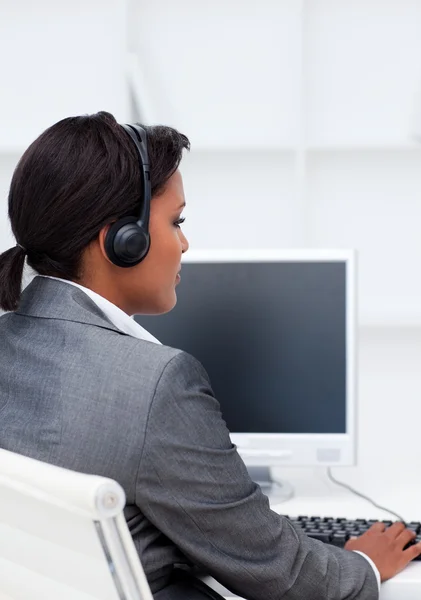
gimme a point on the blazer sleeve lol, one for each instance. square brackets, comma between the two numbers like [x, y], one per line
[194, 487]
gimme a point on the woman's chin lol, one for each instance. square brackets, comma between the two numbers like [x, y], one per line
[167, 304]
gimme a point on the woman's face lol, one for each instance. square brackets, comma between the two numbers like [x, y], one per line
[149, 287]
[158, 274]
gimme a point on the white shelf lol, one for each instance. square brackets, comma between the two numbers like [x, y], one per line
[12, 150]
[295, 148]
[369, 146]
[390, 321]
[230, 148]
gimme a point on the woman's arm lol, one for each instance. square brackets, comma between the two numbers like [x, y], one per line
[193, 485]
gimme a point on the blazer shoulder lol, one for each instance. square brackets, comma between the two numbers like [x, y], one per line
[136, 352]
[152, 351]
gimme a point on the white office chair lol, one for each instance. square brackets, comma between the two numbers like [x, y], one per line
[63, 536]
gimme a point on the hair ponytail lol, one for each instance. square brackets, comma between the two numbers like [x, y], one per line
[12, 263]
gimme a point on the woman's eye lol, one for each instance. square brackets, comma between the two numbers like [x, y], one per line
[180, 222]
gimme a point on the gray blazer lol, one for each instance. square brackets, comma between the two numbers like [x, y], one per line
[78, 393]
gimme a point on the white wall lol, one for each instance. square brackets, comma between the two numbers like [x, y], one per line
[302, 116]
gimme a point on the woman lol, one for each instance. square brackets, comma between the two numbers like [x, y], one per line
[84, 387]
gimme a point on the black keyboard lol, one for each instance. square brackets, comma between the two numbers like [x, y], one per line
[338, 531]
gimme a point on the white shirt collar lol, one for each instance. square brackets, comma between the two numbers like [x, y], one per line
[117, 317]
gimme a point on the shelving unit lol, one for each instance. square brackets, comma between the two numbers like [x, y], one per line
[303, 117]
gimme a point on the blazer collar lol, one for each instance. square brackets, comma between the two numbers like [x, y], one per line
[52, 299]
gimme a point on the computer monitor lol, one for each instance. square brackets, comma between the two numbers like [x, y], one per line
[276, 331]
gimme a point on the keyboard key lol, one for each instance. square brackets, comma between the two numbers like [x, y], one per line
[339, 539]
[320, 535]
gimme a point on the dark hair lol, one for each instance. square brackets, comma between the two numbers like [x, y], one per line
[79, 175]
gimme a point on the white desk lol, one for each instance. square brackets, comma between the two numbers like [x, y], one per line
[325, 499]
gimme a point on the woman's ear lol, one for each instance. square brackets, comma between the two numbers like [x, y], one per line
[101, 241]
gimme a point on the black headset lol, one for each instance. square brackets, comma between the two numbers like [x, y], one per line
[128, 241]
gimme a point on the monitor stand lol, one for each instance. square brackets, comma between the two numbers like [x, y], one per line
[277, 491]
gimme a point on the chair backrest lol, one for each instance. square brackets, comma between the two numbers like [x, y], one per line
[63, 535]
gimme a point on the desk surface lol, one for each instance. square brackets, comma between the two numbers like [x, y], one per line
[326, 499]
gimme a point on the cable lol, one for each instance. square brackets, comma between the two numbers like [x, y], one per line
[351, 489]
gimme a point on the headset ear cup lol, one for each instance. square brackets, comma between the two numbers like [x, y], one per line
[126, 243]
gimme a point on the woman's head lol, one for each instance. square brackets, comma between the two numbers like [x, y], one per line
[77, 178]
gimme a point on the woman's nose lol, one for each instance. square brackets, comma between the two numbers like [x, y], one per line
[184, 243]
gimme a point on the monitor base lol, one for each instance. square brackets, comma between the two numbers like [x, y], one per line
[277, 491]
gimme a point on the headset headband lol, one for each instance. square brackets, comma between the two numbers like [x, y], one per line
[138, 135]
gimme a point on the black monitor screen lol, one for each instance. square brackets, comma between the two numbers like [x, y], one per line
[272, 336]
